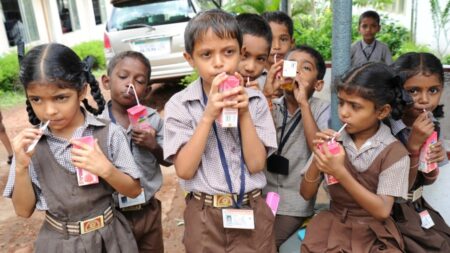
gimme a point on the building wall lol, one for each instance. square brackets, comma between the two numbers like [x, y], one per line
[48, 24]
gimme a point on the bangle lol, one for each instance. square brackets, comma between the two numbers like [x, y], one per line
[415, 166]
[309, 180]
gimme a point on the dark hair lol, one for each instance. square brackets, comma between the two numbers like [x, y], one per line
[412, 64]
[320, 63]
[280, 17]
[370, 14]
[221, 23]
[130, 54]
[255, 25]
[57, 64]
[376, 82]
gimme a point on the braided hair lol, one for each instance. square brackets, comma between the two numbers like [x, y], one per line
[378, 83]
[57, 64]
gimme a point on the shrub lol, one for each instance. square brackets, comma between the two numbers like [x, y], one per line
[185, 81]
[9, 72]
[446, 60]
[411, 47]
[94, 48]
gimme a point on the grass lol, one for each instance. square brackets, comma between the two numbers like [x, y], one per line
[10, 99]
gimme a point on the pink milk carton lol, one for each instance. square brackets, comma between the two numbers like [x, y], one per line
[334, 148]
[272, 200]
[229, 116]
[138, 117]
[84, 177]
[423, 165]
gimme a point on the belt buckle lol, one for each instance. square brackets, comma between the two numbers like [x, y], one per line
[90, 225]
[132, 208]
[222, 200]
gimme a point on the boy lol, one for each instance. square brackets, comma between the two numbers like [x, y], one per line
[297, 116]
[212, 161]
[282, 35]
[127, 69]
[257, 40]
[369, 49]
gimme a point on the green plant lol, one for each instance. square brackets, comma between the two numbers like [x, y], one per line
[9, 72]
[93, 48]
[393, 35]
[441, 24]
[185, 81]
[11, 98]
[446, 60]
[411, 47]
[251, 6]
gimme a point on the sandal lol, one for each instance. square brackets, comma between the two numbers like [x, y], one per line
[9, 159]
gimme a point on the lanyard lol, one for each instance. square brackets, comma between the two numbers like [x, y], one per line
[289, 132]
[225, 165]
[364, 52]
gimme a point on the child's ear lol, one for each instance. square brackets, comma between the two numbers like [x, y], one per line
[83, 92]
[189, 59]
[318, 86]
[105, 82]
[384, 111]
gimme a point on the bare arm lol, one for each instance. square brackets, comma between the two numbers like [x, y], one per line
[23, 197]
[310, 182]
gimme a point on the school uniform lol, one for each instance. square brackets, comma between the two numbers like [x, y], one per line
[381, 165]
[69, 207]
[204, 229]
[293, 210]
[407, 213]
[362, 52]
[145, 217]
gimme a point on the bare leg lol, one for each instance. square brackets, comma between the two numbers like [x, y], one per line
[4, 138]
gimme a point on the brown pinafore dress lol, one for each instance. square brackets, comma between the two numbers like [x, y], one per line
[68, 202]
[347, 227]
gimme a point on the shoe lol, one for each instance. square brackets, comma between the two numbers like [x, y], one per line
[9, 159]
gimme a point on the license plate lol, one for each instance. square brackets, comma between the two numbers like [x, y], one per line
[153, 47]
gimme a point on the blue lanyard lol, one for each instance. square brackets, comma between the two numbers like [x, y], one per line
[225, 165]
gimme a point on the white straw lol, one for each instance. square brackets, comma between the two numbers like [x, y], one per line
[275, 58]
[34, 143]
[248, 81]
[338, 132]
[134, 91]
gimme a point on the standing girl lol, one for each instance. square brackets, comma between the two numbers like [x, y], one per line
[371, 168]
[423, 77]
[78, 218]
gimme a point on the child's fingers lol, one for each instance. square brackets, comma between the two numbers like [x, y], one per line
[241, 79]
[216, 82]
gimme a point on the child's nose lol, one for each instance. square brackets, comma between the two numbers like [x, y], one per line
[217, 61]
[424, 98]
[50, 110]
[250, 66]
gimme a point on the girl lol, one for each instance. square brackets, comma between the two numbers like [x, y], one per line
[371, 168]
[424, 79]
[78, 218]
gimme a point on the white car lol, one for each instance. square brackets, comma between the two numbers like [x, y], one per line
[154, 28]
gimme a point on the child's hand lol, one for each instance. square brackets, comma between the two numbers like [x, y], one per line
[91, 159]
[422, 127]
[436, 153]
[332, 164]
[241, 96]
[252, 84]
[272, 84]
[216, 99]
[144, 138]
[20, 144]
[301, 91]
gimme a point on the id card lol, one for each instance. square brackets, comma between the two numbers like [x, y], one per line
[427, 221]
[238, 218]
[278, 164]
[125, 201]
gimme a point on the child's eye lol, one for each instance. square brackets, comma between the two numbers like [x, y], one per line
[140, 81]
[229, 52]
[61, 98]
[261, 59]
[284, 39]
[412, 91]
[34, 100]
[205, 54]
[434, 90]
[307, 68]
[122, 77]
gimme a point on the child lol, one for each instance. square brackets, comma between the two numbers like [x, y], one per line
[78, 218]
[5, 140]
[215, 162]
[371, 168]
[305, 115]
[126, 69]
[282, 41]
[257, 40]
[424, 80]
[369, 49]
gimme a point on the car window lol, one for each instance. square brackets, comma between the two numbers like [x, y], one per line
[150, 14]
